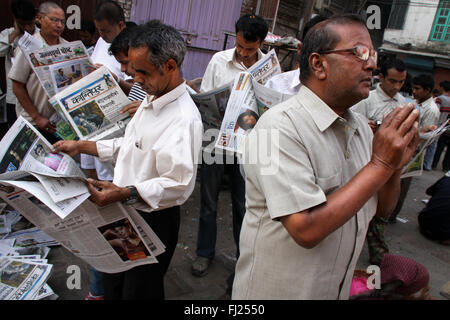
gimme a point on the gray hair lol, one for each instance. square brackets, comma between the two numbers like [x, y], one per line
[164, 42]
[46, 7]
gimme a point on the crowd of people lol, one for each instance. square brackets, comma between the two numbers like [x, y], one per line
[340, 152]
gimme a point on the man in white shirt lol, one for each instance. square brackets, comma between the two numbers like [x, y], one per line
[423, 86]
[156, 160]
[251, 31]
[24, 14]
[386, 96]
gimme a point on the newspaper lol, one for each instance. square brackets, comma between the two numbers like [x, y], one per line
[265, 68]
[56, 66]
[112, 239]
[248, 101]
[415, 165]
[92, 106]
[21, 279]
[27, 162]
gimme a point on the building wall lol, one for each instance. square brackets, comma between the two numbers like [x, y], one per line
[417, 28]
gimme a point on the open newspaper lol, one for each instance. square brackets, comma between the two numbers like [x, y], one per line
[415, 165]
[92, 106]
[248, 101]
[56, 66]
[112, 239]
[46, 187]
[265, 68]
[27, 162]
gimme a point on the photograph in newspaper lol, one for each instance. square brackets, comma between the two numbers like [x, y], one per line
[93, 104]
[241, 114]
[124, 240]
[63, 129]
[65, 74]
[24, 148]
[70, 57]
[21, 280]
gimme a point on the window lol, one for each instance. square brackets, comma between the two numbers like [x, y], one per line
[441, 27]
[398, 14]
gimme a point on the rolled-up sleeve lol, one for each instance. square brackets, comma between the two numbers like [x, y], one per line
[108, 149]
[177, 155]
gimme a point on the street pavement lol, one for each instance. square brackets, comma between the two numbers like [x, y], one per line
[403, 238]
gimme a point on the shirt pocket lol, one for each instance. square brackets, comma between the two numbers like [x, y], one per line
[331, 183]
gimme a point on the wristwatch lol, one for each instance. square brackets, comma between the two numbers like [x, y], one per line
[134, 196]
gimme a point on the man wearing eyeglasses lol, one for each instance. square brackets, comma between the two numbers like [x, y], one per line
[32, 101]
[305, 224]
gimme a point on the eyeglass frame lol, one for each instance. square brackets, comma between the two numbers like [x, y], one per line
[56, 20]
[354, 52]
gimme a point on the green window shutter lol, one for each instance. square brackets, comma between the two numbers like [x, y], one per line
[441, 26]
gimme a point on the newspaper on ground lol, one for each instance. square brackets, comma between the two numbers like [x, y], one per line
[92, 106]
[248, 101]
[56, 66]
[22, 279]
[415, 165]
[112, 239]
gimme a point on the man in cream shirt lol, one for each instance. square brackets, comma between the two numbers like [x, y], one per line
[156, 160]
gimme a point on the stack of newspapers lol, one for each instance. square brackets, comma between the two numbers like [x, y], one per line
[23, 265]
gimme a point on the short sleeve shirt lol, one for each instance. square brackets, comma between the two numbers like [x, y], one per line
[21, 71]
[311, 152]
[378, 104]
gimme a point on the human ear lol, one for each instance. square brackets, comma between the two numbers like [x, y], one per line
[318, 66]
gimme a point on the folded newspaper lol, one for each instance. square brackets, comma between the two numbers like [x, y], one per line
[220, 108]
[415, 165]
[92, 106]
[248, 101]
[56, 66]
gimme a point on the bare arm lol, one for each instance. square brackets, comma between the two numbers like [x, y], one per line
[393, 145]
[72, 148]
[23, 97]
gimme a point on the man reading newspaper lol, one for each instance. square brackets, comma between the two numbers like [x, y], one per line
[32, 101]
[155, 160]
[251, 31]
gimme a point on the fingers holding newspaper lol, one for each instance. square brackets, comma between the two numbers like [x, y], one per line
[73, 148]
[45, 124]
[105, 192]
[131, 108]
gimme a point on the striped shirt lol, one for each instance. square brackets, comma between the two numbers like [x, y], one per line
[136, 93]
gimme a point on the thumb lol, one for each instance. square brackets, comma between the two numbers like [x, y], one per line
[95, 183]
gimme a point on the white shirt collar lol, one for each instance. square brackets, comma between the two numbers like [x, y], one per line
[384, 96]
[165, 99]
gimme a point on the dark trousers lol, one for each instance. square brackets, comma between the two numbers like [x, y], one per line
[10, 119]
[444, 140]
[404, 187]
[147, 282]
[210, 182]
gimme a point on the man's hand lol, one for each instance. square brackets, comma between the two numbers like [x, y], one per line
[131, 108]
[45, 124]
[105, 192]
[396, 138]
[69, 147]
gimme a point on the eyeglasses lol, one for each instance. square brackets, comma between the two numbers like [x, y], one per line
[361, 52]
[56, 20]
